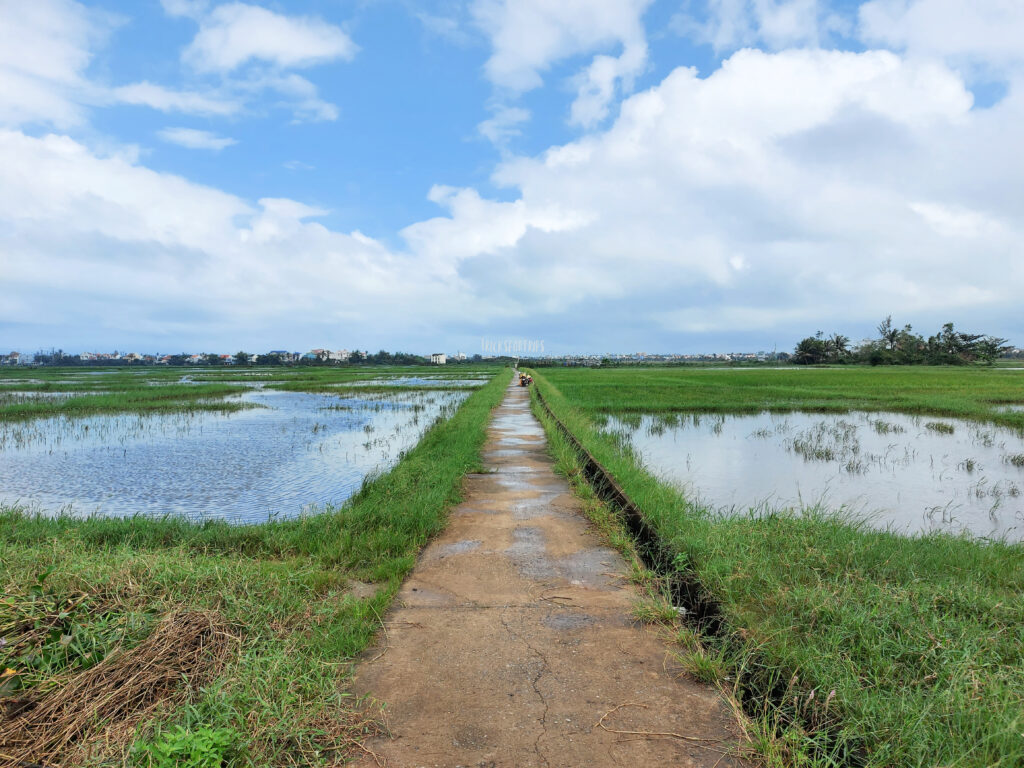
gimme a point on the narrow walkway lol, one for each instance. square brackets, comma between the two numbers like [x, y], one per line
[513, 637]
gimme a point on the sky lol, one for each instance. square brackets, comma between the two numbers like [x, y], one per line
[588, 175]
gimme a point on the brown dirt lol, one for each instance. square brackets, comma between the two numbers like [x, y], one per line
[512, 643]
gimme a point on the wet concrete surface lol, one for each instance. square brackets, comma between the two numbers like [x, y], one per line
[513, 637]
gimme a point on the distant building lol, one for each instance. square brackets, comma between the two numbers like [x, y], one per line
[439, 358]
[12, 359]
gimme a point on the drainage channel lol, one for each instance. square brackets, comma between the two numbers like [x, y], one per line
[762, 683]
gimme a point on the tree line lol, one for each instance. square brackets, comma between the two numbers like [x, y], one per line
[902, 346]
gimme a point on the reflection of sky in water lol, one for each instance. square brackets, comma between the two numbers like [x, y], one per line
[295, 451]
[890, 468]
[415, 381]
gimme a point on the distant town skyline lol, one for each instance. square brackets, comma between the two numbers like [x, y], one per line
[599, 174]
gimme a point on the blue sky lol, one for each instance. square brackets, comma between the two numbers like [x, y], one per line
[601, 175]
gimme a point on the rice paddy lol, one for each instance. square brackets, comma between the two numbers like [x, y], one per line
[251, 627]
[889, 470]
[845, 644]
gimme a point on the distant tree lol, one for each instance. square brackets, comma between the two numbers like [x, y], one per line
[357, 357]
[211, 358]
[888, 333]
[242, 358]
[271, 358]
[838, 345]
[810, 351]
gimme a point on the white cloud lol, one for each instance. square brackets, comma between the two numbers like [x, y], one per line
[193, 138]
[156, 254]
[235, 34]
[728, 25]
[529, 36]
[188, 8]
[167, 100]
[782, 193]
[989, 31]
[503, 124]
[300, 96]
[784, 190]
[45, 48]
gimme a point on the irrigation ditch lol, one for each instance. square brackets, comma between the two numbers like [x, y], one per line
[762, 688]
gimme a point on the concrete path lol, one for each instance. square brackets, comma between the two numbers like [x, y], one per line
[512, 638]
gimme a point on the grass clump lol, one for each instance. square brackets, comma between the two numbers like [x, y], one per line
[288, 603]
[845, 645]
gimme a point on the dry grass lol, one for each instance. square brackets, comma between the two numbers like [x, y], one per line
[96, 712]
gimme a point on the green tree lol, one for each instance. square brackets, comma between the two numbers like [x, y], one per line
[888, 333]
[810, 351]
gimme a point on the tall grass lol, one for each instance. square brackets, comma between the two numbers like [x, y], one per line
[858, 646]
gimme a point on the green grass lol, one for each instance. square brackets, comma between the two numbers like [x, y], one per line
[921, 639]
[294, 590]
[971, 393]
[159, 390]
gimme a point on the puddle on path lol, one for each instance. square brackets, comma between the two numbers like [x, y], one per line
[912, 474]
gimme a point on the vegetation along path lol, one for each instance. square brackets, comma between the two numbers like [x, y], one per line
[512, 641]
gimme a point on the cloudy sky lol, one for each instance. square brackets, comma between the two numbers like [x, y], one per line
[600, 175]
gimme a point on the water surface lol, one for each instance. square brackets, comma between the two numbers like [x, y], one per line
[290, 452]
[912, 474]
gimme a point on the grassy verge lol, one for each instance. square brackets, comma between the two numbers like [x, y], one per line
[286, 605]
[852, 646]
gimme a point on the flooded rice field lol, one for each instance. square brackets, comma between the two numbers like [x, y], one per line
[286, 453]
[908, 473]
[416, 381]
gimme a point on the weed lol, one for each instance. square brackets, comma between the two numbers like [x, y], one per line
[179, 747]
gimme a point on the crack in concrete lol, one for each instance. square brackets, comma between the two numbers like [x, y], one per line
[534, 684]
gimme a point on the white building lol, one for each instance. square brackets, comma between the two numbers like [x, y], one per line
[439, 358]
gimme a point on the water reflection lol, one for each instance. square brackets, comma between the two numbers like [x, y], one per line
[288, 452]
[912, 474]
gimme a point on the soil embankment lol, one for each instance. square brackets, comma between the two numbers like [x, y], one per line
[512, 643]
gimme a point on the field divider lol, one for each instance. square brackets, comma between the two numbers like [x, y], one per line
[656, 555]
[762, 693]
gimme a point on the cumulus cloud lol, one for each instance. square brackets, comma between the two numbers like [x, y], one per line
[235, 34]
[193, 138]
[784, 192]
[177, 256]
[529, 36]
[787, 188]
